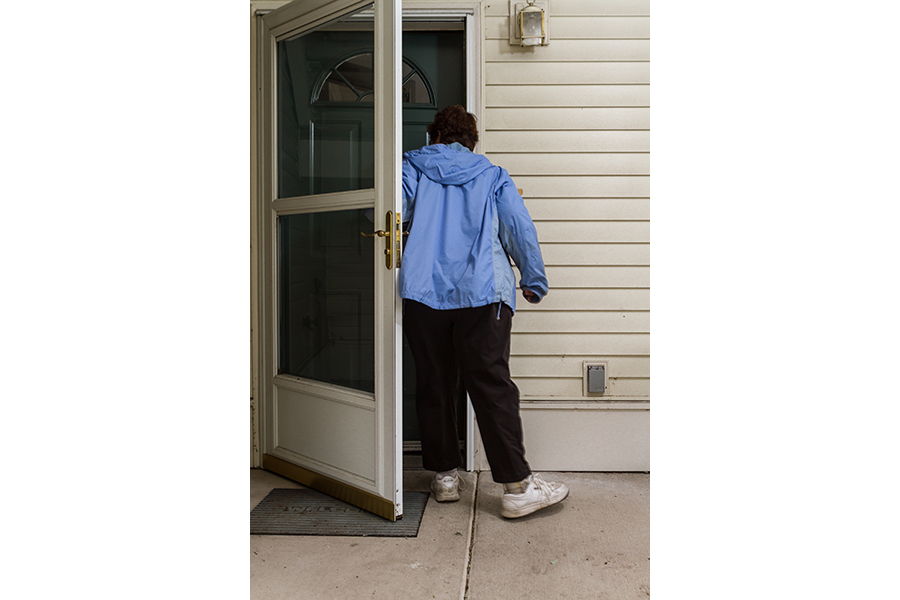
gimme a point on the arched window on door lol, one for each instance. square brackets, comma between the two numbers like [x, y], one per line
[350, 80]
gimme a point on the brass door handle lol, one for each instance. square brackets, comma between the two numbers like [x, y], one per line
[389, 251]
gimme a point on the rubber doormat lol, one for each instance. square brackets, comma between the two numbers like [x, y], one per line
[308, 512]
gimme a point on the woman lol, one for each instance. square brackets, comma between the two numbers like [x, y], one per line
[466, 219]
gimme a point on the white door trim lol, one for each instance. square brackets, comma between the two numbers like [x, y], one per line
[388, 190]
[471, 13]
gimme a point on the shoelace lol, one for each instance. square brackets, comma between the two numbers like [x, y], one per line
[462, 482]
[546, 489]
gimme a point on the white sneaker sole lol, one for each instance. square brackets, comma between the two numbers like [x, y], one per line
[446, 496]
[530, 508]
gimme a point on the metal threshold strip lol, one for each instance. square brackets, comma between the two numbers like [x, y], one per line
[332, 487]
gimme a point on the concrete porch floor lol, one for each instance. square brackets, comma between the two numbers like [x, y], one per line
[596, 544]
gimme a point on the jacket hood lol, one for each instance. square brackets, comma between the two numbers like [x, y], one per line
[445, 165]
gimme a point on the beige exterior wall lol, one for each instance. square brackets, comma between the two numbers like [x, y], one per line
[570, 121]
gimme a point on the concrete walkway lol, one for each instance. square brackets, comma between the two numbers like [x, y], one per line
[594, 545]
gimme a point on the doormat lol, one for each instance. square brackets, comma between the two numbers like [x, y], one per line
[309, 512]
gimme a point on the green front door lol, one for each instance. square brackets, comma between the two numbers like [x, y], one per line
[441, 57]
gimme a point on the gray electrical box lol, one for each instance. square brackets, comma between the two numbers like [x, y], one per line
[596, 379]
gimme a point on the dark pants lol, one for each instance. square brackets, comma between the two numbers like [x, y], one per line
[474, 343]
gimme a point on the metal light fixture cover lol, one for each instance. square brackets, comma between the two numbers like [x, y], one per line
[532, 25]
[529, 24]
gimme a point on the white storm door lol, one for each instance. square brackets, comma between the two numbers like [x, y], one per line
[331, 335]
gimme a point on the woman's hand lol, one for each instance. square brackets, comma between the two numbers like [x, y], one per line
[531, 296]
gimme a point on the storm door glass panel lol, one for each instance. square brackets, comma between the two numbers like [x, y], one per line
[413, 89]
[351, 81]
[326, 298]
[326, 113]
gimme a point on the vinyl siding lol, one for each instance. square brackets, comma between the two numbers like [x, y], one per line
[571, 123]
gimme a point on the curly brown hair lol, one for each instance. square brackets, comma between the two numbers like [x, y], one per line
[454, 124]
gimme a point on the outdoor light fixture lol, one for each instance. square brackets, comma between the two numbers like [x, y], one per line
[528, 23]
[531, 25]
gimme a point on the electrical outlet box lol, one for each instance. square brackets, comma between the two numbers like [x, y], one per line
[595, 377]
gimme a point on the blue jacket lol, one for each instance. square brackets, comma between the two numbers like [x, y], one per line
[465, 217]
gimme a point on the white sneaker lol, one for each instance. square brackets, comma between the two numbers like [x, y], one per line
[447, 488]
[538, 494]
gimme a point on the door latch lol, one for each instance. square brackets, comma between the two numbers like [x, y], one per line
[388, 234]
[398, 237]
